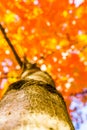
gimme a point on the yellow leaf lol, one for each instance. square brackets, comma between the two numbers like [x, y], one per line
[82, 37]
[63, 43]
[65, 13]
[49, 68]
[12, 76]
[51, 43]
[9, 17]
[36, 12]
[64, 78]
[79, 12]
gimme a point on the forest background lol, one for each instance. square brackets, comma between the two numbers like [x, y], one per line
[52, 34]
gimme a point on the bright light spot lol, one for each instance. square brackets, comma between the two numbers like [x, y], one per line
[24, 0]
[72, 47]
[60, 62]
[36, 2]
[33, 30]
[82, 59]
[2, 83]
[59, 88]
[35, 58]
[5, 68]
[17, 17]
[48, 23]
[40, 61]
[78, 2]
[43, 67]
[73, 22]
[55, 59]
[58, 47]
[67, 85]
[65, 25]
[64, 55]
[58, 69]
[85, 63]
[22, 27]
[17, 67]
[0, 73]
[3, 63]
[7, 11]
[70, 11]
[6, 30]
[80, 32]
[70, 80]
[7, 52]
[74, 51]
[9, 62]
[71, 1]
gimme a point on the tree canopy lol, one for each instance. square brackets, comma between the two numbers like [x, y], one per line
[53, 35]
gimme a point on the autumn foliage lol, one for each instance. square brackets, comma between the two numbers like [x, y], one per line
[51, 33]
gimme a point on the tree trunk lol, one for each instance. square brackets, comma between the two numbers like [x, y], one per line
[33, 103]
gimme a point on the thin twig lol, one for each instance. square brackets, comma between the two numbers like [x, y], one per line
[11, 46]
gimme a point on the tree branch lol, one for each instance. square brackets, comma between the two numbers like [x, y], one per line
[11, 46]
[83, 93]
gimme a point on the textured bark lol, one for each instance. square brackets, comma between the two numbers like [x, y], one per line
[33, 103]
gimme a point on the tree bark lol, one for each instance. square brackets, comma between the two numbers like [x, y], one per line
[33, 103]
